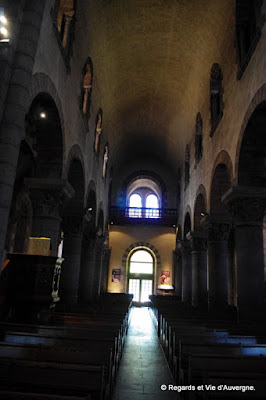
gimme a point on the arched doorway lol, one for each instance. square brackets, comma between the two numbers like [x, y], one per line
[141, 267]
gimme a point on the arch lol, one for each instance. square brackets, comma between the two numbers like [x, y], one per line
[223, 158]
[98, 131]
[258, 98]
[141, 245]
[87, 86]
[187, 224]
[220, 184]
[146, 174]
[75, 153]
[252, 157]
[200, 207]
[100, 221]
[178, 234]
[76, 179]
[43, 131]
[42, 83]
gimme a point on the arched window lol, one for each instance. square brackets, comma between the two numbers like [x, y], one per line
[141, 262]
[187, 165]
[248, 30]
[64, 22]
[140, 275]
[152, 206]
[198, 139]
[98, 131]
[135, 204]
[87, 85]
[105, 160]
[216, 98]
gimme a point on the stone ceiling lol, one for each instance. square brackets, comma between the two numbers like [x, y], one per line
[152, 61]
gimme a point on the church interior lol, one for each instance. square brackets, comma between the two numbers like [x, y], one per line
[132, 199]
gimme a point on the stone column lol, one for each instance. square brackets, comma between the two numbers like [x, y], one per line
[199, 269]
[105, 269]
[97, 267]
[177, 255]
[186, 272]
[48, 197]
[73, 231]
[247, 205]
[86, 269]
[217, 263]
[13, 117]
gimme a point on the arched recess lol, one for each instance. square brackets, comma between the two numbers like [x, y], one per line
[44, 136]
[41, 83]
[41, 156]
[144, 284]
[221, 180]
[258, 99]
[146, 175]
[252, 178]
[187, 223]
[199, 208]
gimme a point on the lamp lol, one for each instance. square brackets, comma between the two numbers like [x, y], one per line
[3, 29]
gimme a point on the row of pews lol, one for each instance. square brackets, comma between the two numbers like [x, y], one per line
[74, 355]
[211, 357]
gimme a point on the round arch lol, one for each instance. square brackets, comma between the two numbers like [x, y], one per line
[141, 284]
[258, 98]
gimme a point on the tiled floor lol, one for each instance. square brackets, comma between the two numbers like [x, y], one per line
[143, 368]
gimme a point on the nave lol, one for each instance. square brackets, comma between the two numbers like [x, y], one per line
[143, 369]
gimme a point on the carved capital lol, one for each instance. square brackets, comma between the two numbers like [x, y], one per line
[246, 204]
[48, 196]
[218, 231]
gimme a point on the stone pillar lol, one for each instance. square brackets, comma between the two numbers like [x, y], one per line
[86, 269]
[13, 117]
[48, 197]
[177, 255]
[217, 263]
[97, 267]
[105, 269]
[247, 205]
[186, 272]
[72, 227]
[199, 269]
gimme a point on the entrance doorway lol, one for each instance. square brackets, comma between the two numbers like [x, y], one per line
[140, 275]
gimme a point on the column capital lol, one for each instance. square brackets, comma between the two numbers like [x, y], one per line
[247, 204]
[48, 196]
[218, 226]
[199, 240]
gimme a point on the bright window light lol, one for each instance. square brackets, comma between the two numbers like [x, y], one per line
[3, 19]
[4, 31]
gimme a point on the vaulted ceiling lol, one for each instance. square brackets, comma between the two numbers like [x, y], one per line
[152, 61]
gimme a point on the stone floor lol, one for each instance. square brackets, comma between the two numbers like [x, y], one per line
[143, 368]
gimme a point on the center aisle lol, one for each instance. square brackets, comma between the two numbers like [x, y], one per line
[143, 368]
